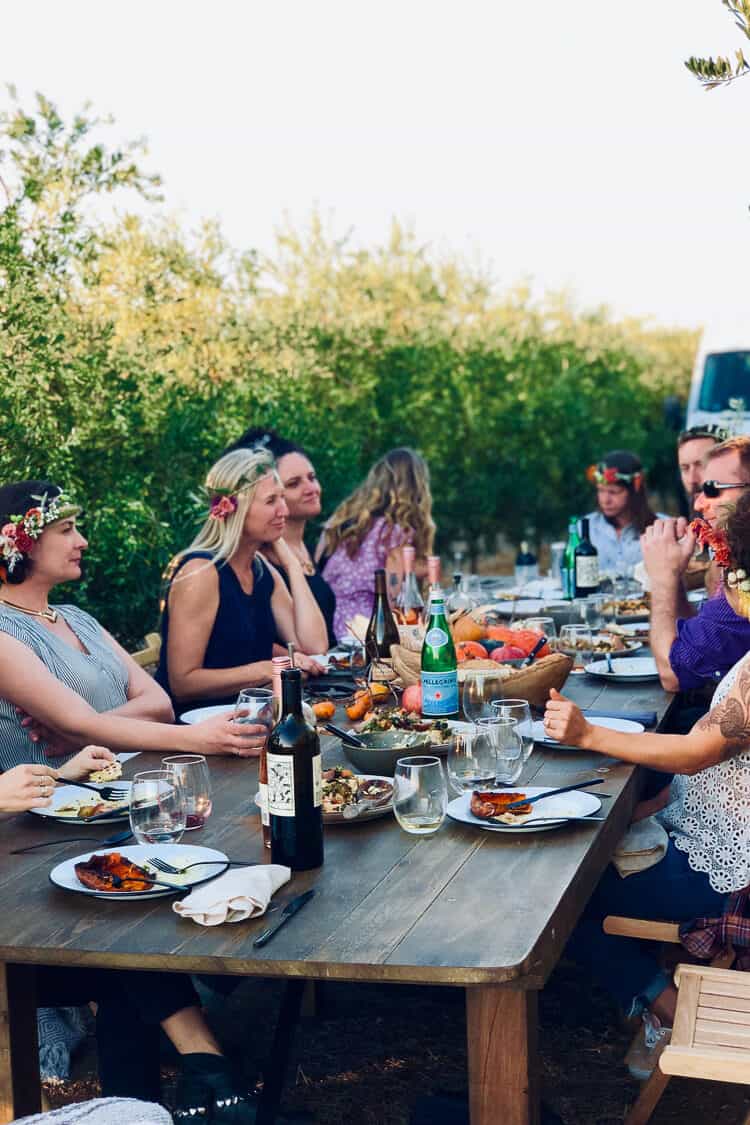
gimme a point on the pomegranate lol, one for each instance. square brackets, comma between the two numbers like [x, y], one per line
[507, 652]
[411, 699]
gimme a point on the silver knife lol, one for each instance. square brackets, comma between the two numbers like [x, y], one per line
[288, 912]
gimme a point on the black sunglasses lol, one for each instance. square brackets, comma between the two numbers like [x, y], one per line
[712, 488]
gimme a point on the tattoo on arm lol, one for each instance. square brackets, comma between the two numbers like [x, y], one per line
[732, 717]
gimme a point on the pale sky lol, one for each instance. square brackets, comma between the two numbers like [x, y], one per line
[563, 143]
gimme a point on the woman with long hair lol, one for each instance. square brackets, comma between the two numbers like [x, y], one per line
[623, 511]
[224, 604]
[302, 493]
[393, 506]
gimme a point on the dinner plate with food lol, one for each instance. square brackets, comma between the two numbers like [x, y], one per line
[352, 798]
[604, 643]
[126, 873]
[626, 726]
[487, 809]
[628, 670]
[69, 803]
[628, 610]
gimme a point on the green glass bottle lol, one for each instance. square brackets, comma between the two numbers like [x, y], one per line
[568, 568]
[439, 669]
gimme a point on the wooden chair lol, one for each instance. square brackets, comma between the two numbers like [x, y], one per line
[711, 1033]
[149, 654]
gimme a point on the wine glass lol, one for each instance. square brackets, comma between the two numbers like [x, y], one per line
[479, 691]
[420, 795]
[254, 705]
[191, 771]
[157, 807]
[544, 625]
[508, 746]
[575, 641]
[471, 762]
[519, 711]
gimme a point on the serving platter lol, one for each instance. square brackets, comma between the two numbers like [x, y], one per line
[71, 795]
[215, 863]
[551, 813]
[629, 670]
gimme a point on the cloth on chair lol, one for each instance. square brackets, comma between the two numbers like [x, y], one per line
[60, 1031]
[103, 1111]
[706, 938]
[644, 844]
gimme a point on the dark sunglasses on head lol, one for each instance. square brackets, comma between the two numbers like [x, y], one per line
[712, 488]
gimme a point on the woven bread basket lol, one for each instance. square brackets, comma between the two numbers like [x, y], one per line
[532, 684]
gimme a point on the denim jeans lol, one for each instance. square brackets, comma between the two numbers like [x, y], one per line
[628, 969]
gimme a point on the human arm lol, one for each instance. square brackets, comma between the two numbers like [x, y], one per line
[193, 605]
[653, 805]
[721, 734]
[667, 547]
[26, 787]
[28, 684]
[296, 612]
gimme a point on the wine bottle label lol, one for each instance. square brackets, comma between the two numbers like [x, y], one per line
[280, 784]
[265, 816]
[587, 570]
[317, 781]
[436, 637]
[439, 693]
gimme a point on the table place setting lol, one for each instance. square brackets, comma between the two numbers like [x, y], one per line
[234, 896]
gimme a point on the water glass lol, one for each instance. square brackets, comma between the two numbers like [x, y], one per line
[191, 771]
[508, 745]
[593, 610]
[544, 625]
[479, 692]
[420, 795]
[157, 808]
[471, 589]
[575, 641]
[471, 762]
[556, 553]
[255, 705]
[519, 711]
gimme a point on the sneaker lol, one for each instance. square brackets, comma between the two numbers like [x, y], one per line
[643, 1053]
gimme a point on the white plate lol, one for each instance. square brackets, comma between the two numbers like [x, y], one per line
[565, 806]
[524, 607]
[627, 726]
[180, 855]
[459, 727]
[630, 670]
[201, 713]
[370, 814]
[66, 794]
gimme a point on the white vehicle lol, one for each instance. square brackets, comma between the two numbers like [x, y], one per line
[720, 389]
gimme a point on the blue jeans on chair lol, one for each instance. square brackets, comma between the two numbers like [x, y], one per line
[628, 969]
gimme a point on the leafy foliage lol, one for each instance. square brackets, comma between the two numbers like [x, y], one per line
[131, 353]
[721, 70]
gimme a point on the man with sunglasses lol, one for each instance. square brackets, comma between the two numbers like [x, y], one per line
[693, 651]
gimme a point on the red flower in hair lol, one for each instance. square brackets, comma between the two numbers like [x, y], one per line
[24, 542]
[610, 476]
[223, 506]
[592, 474]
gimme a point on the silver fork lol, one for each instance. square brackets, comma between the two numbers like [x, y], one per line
[170, 869]
[106, 792]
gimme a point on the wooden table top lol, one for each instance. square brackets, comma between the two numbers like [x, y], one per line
[464, 907]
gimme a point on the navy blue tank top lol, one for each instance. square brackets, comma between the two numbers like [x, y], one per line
[243, 631]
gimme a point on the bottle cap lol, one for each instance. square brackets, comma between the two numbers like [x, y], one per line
[433, 569]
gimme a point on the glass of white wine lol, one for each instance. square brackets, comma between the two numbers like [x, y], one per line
[420, 795]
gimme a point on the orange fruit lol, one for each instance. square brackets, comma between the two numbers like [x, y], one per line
[467, 629]
[469, 650]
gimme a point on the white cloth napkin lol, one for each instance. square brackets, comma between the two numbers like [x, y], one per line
[644, 845]
[235, 896]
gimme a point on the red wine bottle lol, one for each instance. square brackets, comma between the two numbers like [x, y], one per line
[295, 783]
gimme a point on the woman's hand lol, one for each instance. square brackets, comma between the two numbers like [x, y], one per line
[308, 664]
[26, 787]
[85, 762]
[222, 735]
[563, 720]
[55, 745]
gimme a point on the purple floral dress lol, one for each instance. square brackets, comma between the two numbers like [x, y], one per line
[352, 579]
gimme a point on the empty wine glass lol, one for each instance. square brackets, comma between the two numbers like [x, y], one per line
[420, 795]
[519, 711]
[479, 691]
[508, 746]
[157, 808]
[575, 641]
[255, 705]
[471, 762]
[592, 609]
[191, 771]
[544, 625]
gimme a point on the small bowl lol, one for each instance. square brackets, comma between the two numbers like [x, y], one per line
[384, 748]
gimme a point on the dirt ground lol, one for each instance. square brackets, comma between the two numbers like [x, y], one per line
[373, 1051]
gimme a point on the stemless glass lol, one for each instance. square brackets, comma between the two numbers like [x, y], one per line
[519, 711]
[575, 641]
[471, 762]
[479, 691]
[255, 705]
[157, 808]
[191, 771]
[420, 795]
[593, 611]
[508, 744]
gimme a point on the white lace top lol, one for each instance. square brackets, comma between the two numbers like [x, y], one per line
[709, 813]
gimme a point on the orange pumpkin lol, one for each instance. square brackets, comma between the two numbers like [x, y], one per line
[324, 710]
[469, 650]
[467, 629]
[359, 706]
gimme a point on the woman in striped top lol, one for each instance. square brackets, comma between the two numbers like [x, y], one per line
[64, 681]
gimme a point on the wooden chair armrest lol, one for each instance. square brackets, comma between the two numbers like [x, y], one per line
[149, 654]
[641, 928]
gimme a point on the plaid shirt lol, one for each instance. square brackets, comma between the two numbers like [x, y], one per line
[706, 938]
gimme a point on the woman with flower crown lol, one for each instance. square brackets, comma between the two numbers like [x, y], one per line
[225, 604]
[623, 511]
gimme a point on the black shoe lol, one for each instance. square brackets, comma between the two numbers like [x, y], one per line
[210, 1091]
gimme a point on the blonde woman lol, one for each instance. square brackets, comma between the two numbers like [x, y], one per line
[225, 604]
[392, 507]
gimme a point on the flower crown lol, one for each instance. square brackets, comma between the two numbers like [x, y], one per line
[737, 579]
[606, 474]
[223, 502]
[19, 534]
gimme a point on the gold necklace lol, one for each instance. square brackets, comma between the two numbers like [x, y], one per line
[48, 614]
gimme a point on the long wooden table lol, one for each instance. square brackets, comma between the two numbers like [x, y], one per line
[465, 908]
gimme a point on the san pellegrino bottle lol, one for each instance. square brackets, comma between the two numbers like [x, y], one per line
[439, 669]
[587, 564]
[568, 568]
[409, 607]
[295, 783]
[382, 631]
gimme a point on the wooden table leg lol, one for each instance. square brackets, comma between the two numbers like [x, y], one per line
[501, 1027]
[20, 1089]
